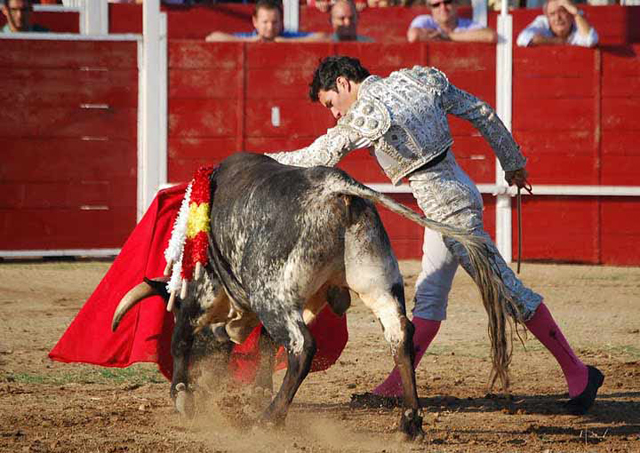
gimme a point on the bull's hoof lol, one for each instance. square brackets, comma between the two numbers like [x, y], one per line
[262, 396]
[271, 420]
[184, 401]
[411, 424]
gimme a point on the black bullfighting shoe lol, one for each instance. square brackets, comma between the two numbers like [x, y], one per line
[373, 401]
[583, 402]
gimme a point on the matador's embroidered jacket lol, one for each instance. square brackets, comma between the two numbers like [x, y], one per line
[404, 118]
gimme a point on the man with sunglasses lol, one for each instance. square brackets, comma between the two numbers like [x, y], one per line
[402, 119]
[444, 25]
[18, 15]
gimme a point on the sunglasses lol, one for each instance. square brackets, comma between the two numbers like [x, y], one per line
[441, 2]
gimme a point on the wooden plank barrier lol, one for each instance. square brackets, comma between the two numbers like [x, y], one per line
[620, 151]
[68, 140]
[569, 104]
[574, 114]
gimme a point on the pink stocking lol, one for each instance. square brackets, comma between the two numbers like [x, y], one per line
[425, 332]
[547, 331]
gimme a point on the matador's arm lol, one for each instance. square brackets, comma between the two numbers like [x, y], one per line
[486, 120]
[327, 149]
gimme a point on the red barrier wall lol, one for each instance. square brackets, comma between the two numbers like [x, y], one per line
[576, 118]
[68, 173]
[572, 114]
[222, 94]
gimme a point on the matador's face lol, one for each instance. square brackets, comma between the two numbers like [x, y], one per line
[340, 100]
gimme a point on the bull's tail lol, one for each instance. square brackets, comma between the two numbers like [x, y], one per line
[495, 297]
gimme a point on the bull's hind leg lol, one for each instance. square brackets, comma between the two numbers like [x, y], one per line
[289, 330]
[379, 284]
[388, 307]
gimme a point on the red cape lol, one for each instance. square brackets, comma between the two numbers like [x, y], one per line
[144, 334]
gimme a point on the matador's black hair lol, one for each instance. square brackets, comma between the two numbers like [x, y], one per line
[329, 69]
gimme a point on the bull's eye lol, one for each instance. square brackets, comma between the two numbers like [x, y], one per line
[367, 109]
[372, 124]
[359, 122]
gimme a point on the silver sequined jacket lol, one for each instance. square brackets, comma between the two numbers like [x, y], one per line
[404, 118]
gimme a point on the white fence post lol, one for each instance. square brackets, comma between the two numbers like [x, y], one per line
[94, 17]
[291, 15]
[152, 110]
[504, 83]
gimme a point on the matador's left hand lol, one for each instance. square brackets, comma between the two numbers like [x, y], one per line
[517, 177]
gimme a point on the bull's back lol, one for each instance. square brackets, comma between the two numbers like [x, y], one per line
[264, 212]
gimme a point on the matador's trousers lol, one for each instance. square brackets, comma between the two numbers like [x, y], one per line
[446, 194]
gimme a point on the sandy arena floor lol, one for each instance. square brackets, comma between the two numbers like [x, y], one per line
[53, 407]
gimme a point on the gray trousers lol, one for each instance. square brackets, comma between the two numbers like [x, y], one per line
[446, 194]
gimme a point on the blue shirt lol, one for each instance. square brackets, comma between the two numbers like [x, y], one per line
[285, 34]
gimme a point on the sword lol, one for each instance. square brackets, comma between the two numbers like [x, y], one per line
[519, 203]
[528, 188]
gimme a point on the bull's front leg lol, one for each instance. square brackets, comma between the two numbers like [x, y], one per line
[181, 351]
[289, 330]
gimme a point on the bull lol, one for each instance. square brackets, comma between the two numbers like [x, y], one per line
[284, 241]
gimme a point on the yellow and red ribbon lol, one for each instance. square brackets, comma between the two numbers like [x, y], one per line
[198, 223]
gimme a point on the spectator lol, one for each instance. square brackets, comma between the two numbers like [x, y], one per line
[562, 23]
[18, 14]
[344, 21]
[444, 24]
[268, 27]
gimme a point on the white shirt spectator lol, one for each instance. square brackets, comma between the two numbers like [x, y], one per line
[540, 26]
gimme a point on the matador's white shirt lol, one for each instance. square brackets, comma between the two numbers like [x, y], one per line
[403, 117]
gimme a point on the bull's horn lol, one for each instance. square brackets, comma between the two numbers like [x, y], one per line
[135, 295]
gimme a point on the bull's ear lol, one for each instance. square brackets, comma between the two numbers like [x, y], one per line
[159, 285]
